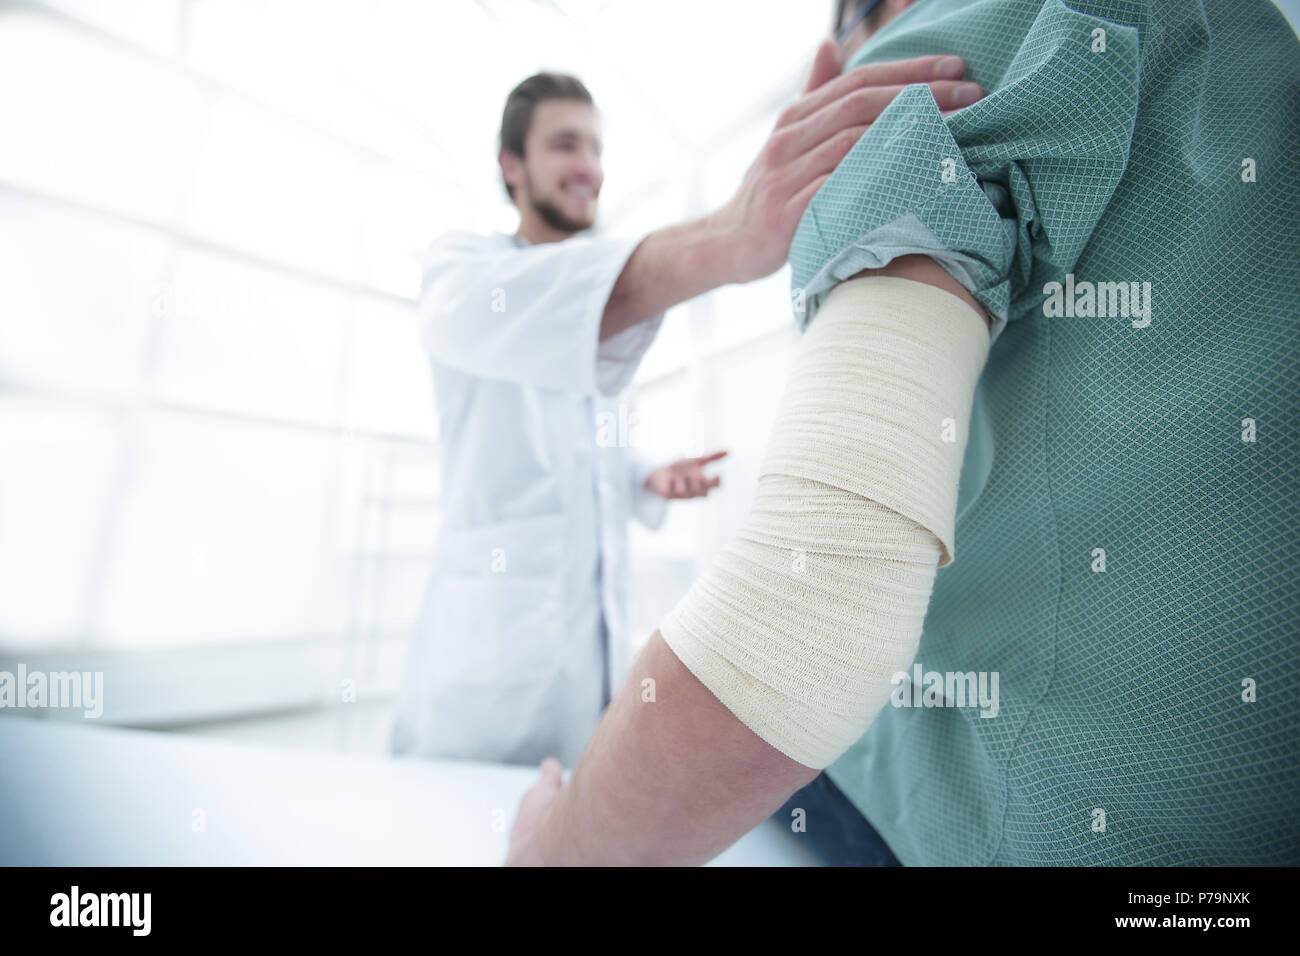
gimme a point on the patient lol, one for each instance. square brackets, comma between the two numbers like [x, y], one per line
[1123, 488]
[1116, 507]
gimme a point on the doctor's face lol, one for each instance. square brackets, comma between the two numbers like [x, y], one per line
[561, 174]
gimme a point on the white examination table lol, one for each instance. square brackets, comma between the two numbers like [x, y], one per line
[72, 795]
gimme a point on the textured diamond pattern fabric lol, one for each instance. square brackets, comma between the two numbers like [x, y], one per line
[1167, 448]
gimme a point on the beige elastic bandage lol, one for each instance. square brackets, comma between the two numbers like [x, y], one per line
[799, 624]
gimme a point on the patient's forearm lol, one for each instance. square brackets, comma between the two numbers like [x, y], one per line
[668, 778]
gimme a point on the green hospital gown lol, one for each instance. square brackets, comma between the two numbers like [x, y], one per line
[1126, 549]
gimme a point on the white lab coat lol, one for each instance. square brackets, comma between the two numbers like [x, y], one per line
[522, 636]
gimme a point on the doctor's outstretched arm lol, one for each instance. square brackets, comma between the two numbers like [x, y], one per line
[781, 655]
[750, 236]
[535, 315]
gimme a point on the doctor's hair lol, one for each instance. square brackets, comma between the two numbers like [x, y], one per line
[523, 99]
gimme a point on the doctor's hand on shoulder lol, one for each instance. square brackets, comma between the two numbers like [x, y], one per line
[685, 478]
[749, 236]
[811, 136]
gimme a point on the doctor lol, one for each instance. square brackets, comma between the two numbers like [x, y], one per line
[532, 337]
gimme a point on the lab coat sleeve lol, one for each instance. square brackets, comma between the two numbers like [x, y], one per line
[649, 507]
[530, 314]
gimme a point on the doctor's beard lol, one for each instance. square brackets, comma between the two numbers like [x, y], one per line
[551, 214]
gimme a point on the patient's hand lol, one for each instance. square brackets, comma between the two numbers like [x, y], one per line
[531, 807]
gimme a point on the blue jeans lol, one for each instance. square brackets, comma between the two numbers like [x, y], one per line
[836, 831]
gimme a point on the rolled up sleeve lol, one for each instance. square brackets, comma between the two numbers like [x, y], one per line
[1003, 194]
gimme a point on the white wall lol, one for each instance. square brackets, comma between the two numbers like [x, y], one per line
[219, 453]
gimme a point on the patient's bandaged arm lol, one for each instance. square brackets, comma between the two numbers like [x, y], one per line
[799, 624]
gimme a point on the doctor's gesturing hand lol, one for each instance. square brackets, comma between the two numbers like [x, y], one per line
[685, 478]
[749, 237]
